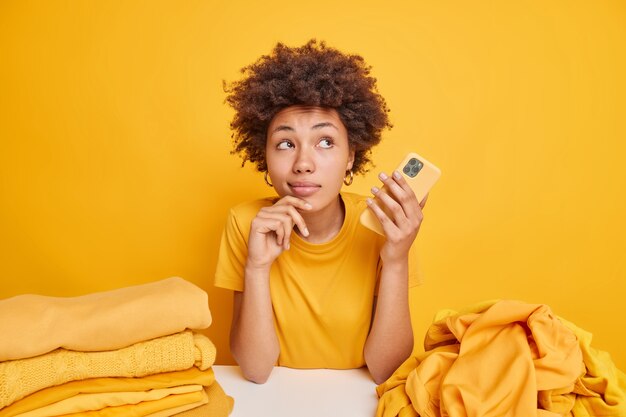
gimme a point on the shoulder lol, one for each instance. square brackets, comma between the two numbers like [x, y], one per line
[355, 201]
[240, 216]
[249, 209]
[355, 205]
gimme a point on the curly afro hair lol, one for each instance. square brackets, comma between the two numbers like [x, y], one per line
[311, 75]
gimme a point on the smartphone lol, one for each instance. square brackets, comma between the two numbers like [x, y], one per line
[419, 173]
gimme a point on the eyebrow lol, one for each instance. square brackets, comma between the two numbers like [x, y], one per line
[281, 128]
[324, 124]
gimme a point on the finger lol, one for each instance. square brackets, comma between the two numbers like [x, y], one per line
[280, 234]
[423, 203]
[269, 226]
[402, 182]
[387, 224]
[295, 202]
[407, 198]
[298, 204]
[283, 227]
[401, 190]
[399, 217]
[297, 218]
[291, 211]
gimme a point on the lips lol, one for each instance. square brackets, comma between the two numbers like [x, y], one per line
[304, 189]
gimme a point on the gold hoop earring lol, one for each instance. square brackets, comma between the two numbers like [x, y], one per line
[348, 178]
[267, 181]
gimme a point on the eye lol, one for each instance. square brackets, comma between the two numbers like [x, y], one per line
[284, 144]
[326, 143]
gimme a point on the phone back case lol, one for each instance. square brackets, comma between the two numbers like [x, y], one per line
[419, 173]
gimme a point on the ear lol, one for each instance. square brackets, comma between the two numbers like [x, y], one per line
[350, 160]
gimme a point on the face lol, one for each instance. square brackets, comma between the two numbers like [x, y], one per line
[307, 154]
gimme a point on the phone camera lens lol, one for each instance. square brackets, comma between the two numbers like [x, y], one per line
[412, 161]
[407, 169]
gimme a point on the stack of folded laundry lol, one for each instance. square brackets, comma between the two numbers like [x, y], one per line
[133, 351]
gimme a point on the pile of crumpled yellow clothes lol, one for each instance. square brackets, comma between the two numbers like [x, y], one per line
[134, 351]
[505, 358]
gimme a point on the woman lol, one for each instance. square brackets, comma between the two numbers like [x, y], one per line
[313, 288]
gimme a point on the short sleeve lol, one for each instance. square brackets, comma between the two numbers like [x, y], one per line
[231, 260]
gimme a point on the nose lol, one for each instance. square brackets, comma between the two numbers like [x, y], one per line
[304, 162]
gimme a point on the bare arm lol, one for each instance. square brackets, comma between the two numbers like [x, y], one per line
[390, 340]
[253, 340]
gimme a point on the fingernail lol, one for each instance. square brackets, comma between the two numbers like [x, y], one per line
[305, 232]
[397, 175]
[288, 246]
[382, 176]
[375, 190]
[369, 201]
[308, 205]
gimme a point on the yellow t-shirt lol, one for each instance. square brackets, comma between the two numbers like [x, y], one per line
[322, 294]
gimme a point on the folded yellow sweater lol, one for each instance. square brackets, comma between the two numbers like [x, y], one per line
[176, 352]
[100, 400]
[146, 408]
[219, 405]
[177, 410]
[47, 396]
[32, 325]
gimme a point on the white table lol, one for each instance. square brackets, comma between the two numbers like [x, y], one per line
[301, 392]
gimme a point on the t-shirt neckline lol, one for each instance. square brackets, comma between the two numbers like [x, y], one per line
[297, 241]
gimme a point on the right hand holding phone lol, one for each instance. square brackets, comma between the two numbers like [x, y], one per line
[271, 229]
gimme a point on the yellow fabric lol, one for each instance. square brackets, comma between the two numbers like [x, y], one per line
[393, 399]
[420, 382]
[57, 393]
[491, 362]
[176, 352]
[219, 405]
[32, 325]
[602, 389]
[146, 408]
[322, 294]
[177, 410]
[97, 401]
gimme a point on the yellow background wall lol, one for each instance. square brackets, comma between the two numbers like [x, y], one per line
[114, 143]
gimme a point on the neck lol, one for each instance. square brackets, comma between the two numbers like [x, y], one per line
[325, 224]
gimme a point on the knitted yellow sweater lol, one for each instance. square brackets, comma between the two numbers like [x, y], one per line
[179, 351]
